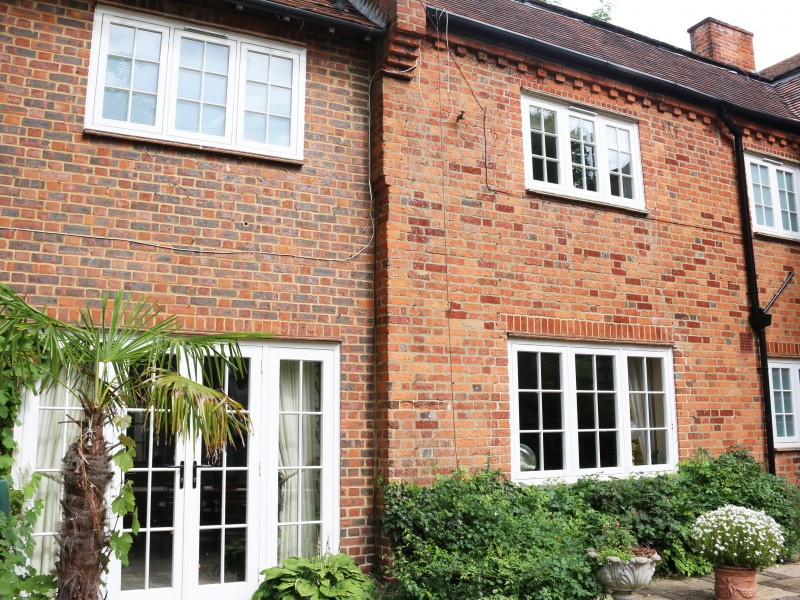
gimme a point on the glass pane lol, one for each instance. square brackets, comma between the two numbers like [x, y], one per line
[133, 574]
[527, 371]
[161, 559]
[552, 172]
[586, 417]
[190, 83]
[279, 131]
[188, 116]
[658, 447]
[210, 550]
[148, 45]
[528, 410]
[118, 72]
[584, 372]
[605, 372]
[280, 102]
[309, 539]
[162, 498]
[115, 105]
[288, 491]
[638, 448]
[553, 451]
[257, 66]
[551, 411]
[607, 411]
[255, 97]
[658, 411]
[587, 453]
[311, 440]
[217, 58]
[537, 146]
[213, 120]
[312, 376]
[120, 40]
[236, 498]
[290, 385]
[235, 554]
[551, 146]
[289, 455]
[145, 78]
[538, 169]
[311, 495]
[141, 496]
[608, 449]
[143, 109]
[215, 89]
[210, 483]
[191, 54]
[280, 72]
[536, 118]
[255, 127]
[551, 371]
[287, 542]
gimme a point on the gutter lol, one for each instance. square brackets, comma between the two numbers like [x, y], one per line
[760, 319]
[369, 32]
[529, 44]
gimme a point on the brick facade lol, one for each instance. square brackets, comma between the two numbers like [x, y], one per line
[472, 259]
[226, 243]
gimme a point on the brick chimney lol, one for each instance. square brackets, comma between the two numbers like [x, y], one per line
[724, 43]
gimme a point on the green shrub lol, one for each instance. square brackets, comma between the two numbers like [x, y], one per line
[480, 536]
[328, 576]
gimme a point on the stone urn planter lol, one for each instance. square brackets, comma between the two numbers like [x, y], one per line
[622, 577]
[735, 583]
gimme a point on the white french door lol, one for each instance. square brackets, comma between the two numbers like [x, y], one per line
[209, 525]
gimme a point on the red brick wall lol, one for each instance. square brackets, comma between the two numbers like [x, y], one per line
[472, 259]
[91, 193]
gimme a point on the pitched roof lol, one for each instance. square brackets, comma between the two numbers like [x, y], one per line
[619, 47]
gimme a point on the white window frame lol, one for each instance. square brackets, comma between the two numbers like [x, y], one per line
[163, 129]
[567, 350]
[565, 186]
[773, 166]
[794, 382]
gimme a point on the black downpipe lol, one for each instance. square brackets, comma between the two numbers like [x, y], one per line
[759, 318]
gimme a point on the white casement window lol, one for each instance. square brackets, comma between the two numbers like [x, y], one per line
[774, 196]
[588, 409]
[581, 154]
[169, 81]
[784, 378]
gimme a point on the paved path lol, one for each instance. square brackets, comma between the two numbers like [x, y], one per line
[780, 582]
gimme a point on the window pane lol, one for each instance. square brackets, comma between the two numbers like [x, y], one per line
[528, 411]
[552, 411]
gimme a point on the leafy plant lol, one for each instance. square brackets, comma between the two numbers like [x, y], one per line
[108, 366]
[328, 576]
[17, 578]
[735, 536]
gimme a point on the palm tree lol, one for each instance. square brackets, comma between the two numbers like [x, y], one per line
[123, 360]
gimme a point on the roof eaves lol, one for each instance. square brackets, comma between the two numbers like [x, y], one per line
[368, 31]
[575, 57]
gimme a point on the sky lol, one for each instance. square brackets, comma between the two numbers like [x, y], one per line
[775, 24]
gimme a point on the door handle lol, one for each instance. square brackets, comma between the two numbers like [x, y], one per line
[196, 466]
[180, 472]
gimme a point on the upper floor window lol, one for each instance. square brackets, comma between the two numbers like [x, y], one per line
[773, 196]
[585, 409]
[784, 377]
[169, 81]
[581, 154]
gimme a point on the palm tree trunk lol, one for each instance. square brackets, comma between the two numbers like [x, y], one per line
[82, 537]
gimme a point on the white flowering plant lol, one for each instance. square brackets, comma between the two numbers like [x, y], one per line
[735, 536]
